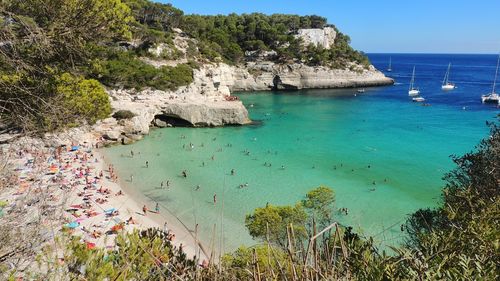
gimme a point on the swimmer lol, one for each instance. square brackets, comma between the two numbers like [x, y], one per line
[147, 164]
[232, 172]
[198, 187]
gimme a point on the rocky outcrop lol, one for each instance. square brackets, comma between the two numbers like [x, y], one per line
[262, 76]
[215, 114]
[324, 37]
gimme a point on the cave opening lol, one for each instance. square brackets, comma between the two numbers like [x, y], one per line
[165, 120]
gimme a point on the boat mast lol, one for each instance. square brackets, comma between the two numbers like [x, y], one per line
[412, 79]
[447, 75]
[496, 75]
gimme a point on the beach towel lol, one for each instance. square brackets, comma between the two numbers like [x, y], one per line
[109, 211]
[74, 148]
[72, 224]
[90, 245]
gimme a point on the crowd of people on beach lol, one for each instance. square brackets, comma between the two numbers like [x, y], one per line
[73, 176]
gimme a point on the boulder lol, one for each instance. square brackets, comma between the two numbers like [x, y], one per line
[159, 123]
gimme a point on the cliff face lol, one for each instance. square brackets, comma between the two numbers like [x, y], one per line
[324, 37]
[262, 76]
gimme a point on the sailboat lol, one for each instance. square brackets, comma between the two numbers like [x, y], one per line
[412, 91]
[389, 69]
[493, 97]
[447, 85]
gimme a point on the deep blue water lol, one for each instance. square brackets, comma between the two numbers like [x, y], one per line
[473, 75]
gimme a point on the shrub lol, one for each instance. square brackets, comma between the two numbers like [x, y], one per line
[123, 114]
[82, 99]
[125, 70]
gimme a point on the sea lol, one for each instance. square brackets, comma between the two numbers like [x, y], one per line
[383, 155]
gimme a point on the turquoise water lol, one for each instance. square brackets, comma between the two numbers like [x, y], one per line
[321, 137]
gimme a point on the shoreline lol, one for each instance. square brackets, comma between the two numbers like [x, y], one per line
[184, 235]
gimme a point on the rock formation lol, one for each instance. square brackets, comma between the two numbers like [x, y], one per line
[324, 37]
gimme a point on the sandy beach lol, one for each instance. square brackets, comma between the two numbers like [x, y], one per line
[85, 196]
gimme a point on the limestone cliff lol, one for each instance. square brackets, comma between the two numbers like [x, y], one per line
[324, 37]
[262, 76]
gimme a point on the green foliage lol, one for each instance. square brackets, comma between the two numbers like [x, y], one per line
[320, 201]
[58, 32]
[266, 257]
[271, 222]
[123, 69]
[123, 114]
[83, 99]
[155, 15]
[230, 36]
[461, 240]
[138, 254]
[46, 39]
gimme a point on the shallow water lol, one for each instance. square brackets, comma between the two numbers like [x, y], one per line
[382, 154]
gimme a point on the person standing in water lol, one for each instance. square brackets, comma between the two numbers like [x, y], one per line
[157, 208]
[232, 172]
[215, 198]
[131, 153]
[147, 164]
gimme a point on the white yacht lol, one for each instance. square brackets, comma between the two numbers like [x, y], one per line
[493, 97]
[447, 85]
[418, 99]
[412, 91]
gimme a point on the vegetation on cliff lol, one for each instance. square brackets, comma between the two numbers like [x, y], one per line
[228, 37]
[40, 41]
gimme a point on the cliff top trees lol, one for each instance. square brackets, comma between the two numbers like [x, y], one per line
[42, 39]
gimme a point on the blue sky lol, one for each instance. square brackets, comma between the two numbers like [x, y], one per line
[419, 26]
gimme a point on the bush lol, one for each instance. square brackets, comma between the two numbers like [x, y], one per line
[125, 70]
[123, 114]
[82, 99]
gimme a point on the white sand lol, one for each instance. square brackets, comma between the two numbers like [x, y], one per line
[67, 186]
